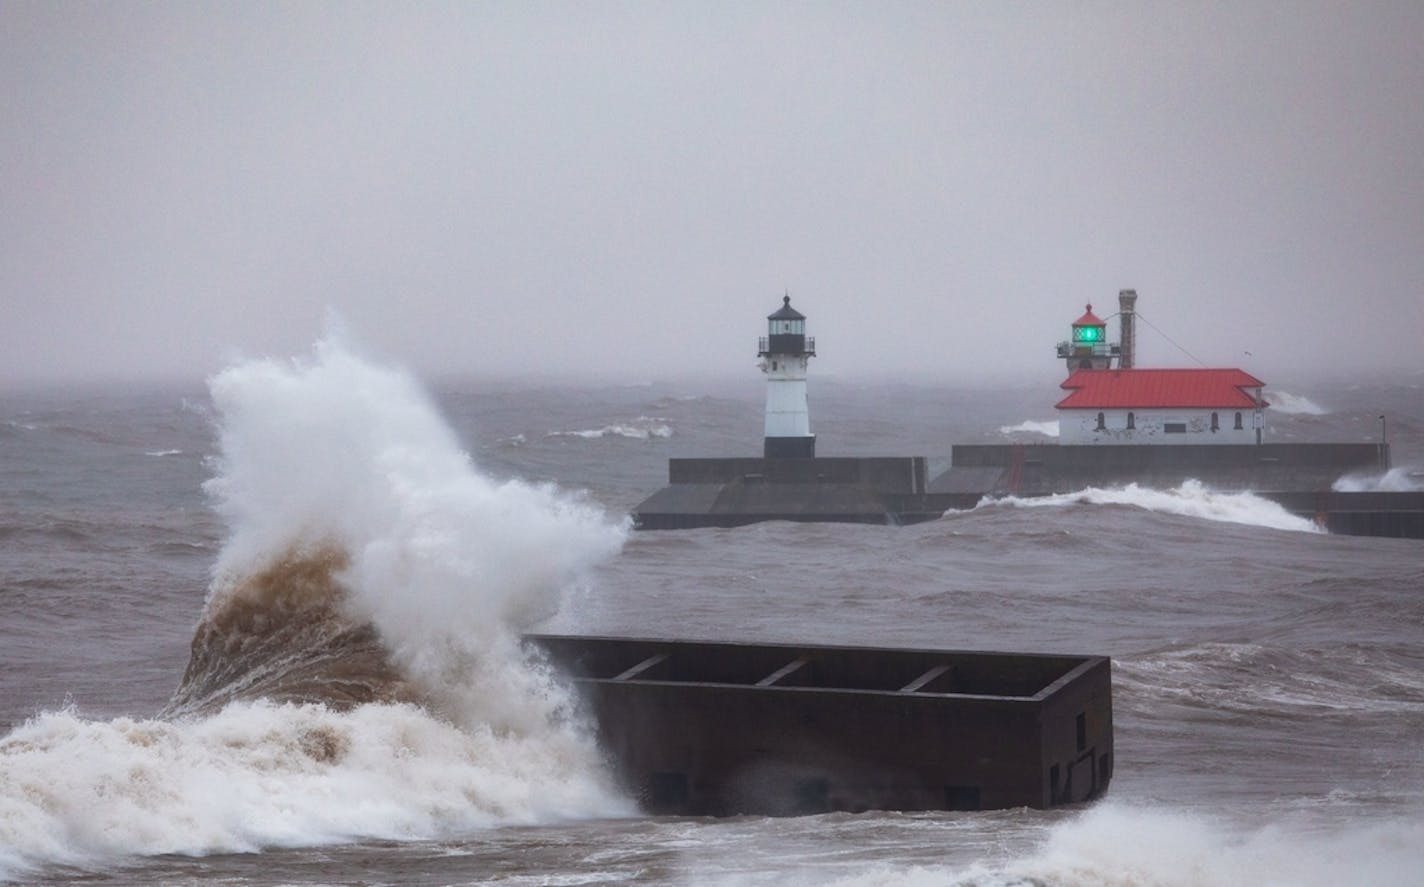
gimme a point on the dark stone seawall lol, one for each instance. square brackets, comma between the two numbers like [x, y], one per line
[888, 474]
[733, 492]
[1396, 515]
[1039, 469]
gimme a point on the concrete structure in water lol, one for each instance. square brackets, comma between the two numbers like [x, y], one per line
[1162, 427]
[697, 728]
[1119, 424]
[736, 492]
[790, 482]
[1126, 405]
[1161, 407]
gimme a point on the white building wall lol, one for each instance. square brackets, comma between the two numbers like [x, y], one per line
[787, 413]
[1077, 426]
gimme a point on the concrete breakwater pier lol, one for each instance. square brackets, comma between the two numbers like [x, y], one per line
[736, 492]
[1121, 425]
[1297, 476]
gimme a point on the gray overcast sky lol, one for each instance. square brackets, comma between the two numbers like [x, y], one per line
[626, 189]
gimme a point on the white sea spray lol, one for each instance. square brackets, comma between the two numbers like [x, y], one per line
[1191, 499]
[335, 452]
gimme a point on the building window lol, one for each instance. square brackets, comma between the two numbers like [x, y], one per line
[1131, 421]
[1238, 421]
[1102, 423]
[1174, 427]
[1215, 422]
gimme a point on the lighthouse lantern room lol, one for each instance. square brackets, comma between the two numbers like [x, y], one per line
[1089, 348]
[785, 352]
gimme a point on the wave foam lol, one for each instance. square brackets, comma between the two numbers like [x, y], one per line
[1294, 404]
[1395, 480]
[1119, 845]
[445, 563]
[255, 775]
[641, 428]
[1030, 426]
[1191, 499]
[368, 567]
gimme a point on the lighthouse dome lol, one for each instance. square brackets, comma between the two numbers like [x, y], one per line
[786, 333]
[1089, 318]
[786, 312]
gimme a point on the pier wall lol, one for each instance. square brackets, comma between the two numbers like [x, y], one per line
[886, 474]
[731, 492]
[1394, 515]
[1037, 469]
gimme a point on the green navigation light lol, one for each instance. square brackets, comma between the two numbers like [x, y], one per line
[1087, 333]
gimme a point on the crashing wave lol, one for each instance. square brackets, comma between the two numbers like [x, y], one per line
[1294, 404]
[356, 671]
[1030, 426]
[1191, 499]
[1395, 480]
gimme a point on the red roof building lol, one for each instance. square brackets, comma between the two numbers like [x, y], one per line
[1223, 389]
[1161, 407]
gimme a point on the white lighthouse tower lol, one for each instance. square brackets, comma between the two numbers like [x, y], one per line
[784, 352]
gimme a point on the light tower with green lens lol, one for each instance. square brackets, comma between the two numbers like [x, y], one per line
[1089, 348]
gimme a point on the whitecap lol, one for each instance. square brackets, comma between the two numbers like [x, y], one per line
[1191, 499]
[1294, 404]
[641, 428]
[1031, 426]
[1395, 480]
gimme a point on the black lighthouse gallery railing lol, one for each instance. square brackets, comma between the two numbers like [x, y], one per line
[764, 345]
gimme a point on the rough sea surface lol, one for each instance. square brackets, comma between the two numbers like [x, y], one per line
[265, 632]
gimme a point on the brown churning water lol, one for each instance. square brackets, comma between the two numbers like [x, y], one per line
[281, 634]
